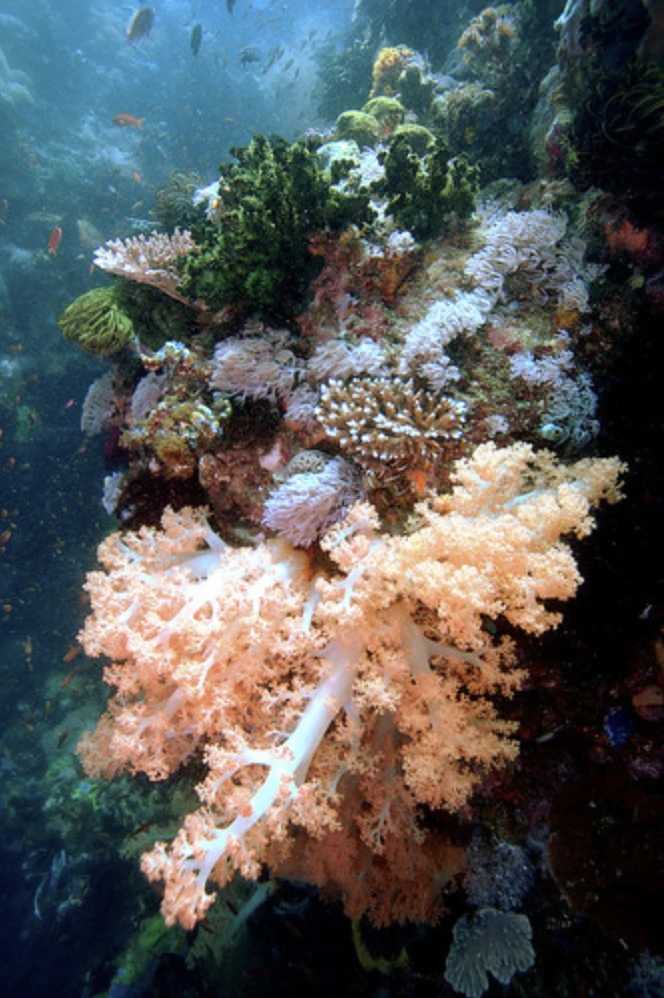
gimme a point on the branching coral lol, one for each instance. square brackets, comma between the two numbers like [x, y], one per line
[388, 421]
[325, 696]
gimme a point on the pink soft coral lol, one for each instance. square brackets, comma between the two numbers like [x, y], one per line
[331, 698]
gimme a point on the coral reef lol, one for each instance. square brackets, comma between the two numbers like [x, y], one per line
[331, 618]
[367, 681]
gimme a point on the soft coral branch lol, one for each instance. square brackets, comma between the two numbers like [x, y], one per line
[308, 683]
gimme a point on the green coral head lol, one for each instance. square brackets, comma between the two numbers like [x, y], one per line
[96, 322]
[385, 108]
[358, 126]
[419, 138]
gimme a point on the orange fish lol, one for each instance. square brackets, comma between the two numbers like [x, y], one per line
[72, 652]
[140, 24]
[54, 240]
[68, 678]
[127, 121]
[136, 176]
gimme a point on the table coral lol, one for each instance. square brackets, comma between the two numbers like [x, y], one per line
[149, 259]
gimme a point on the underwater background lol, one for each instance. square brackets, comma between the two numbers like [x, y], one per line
[343, 322]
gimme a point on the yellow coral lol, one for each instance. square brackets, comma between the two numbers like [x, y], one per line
[387, 68]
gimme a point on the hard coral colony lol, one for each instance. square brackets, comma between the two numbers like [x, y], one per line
[331, 624]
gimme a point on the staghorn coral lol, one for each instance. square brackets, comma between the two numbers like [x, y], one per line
[331, 698]
[148, 260]
[388, 421]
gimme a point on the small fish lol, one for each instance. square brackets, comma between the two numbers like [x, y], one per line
[229, 6]
[137, 177]
[63, 738]
[140, 24]
[68, 678]
[127, 121]
[54, 240]
[196, 39]
[72, 652]
[145, 827]
[249, 54]
[273, 57]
